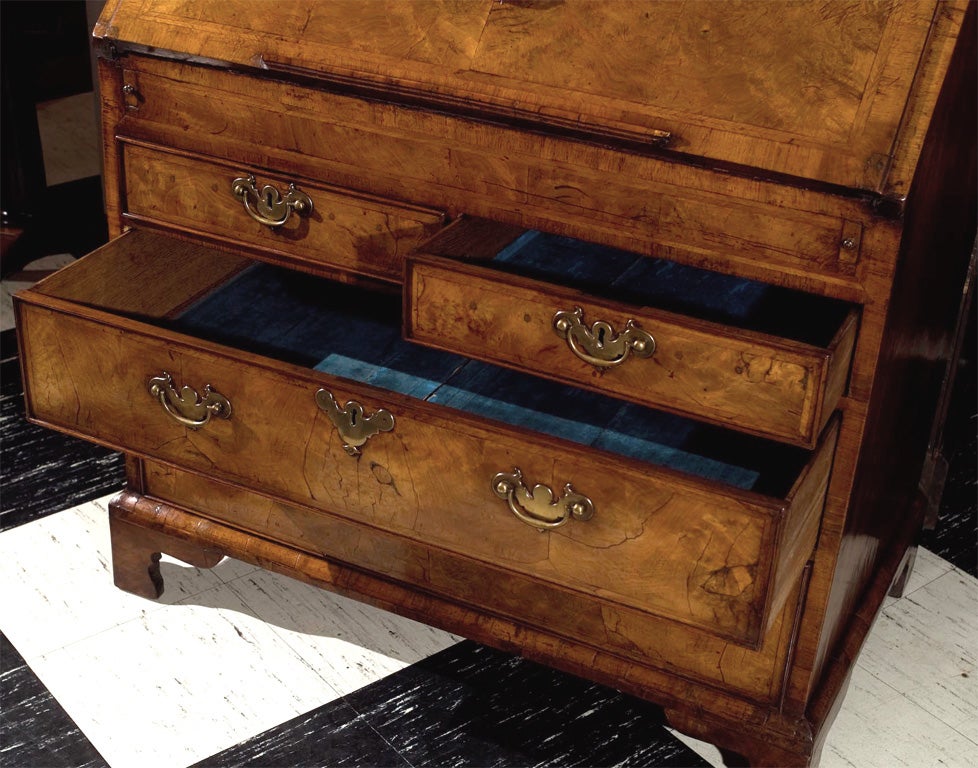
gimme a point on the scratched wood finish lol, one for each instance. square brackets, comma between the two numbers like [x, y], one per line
[816, 90]
[748, 381]
[347, 232]
[694, 551]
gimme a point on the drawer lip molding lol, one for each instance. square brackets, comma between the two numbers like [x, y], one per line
[750, 548]
[700, 368]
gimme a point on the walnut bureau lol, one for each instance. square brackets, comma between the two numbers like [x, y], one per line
[612, 335]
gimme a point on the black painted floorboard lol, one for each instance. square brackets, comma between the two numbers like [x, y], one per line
[471, 706]
[42, 471]
[35, 732]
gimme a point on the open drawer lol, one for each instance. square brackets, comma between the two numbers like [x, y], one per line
[746, 355]
[302, 390]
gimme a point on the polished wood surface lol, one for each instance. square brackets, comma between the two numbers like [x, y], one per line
[631, 635]
[827, 148]
[784, 235]
[646, 652]
[938, 244]
[812, 91]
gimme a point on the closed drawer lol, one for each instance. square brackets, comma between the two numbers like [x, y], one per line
[343, 232]
[636, 636]
[735, 352]
[660, 515]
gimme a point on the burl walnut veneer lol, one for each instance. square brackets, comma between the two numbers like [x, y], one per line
[614, 335]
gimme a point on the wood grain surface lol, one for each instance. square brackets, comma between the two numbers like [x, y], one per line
[344, 232]
[825, 147]
[716, 220]
[813, 91]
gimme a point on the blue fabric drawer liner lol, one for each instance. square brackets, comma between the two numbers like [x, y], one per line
[662, 284]
[355, 334]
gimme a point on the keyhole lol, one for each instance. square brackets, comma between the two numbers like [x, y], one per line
[353, 419]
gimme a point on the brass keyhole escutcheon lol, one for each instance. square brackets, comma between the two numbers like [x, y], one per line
[354, 427]
[267, 205]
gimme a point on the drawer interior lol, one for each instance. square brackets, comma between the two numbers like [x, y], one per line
[665, 285]
[356, 334]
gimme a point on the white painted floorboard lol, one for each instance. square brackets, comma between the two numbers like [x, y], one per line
[226, 654]
[230, 652]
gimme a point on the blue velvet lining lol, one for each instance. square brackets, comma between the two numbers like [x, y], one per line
[651, 282]
[356, 334]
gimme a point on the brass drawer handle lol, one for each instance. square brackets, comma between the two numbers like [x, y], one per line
[268, 206]
[354, 428]
[598, 345]
[185, 405]
[537, 507]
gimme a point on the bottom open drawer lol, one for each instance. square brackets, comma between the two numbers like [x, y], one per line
[303, 390]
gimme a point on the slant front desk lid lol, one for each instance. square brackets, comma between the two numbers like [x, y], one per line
[827, 92]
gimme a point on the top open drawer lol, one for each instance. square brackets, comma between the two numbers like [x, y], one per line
[734, 352]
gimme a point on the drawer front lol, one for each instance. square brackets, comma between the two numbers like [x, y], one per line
[695, 551]
[626, 632]
[747, 381]
[343, 231]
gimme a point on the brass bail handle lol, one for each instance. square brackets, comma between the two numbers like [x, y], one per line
[352, 423]
[536, 506]
[599, 345]
[185, 405]
[267, 205]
